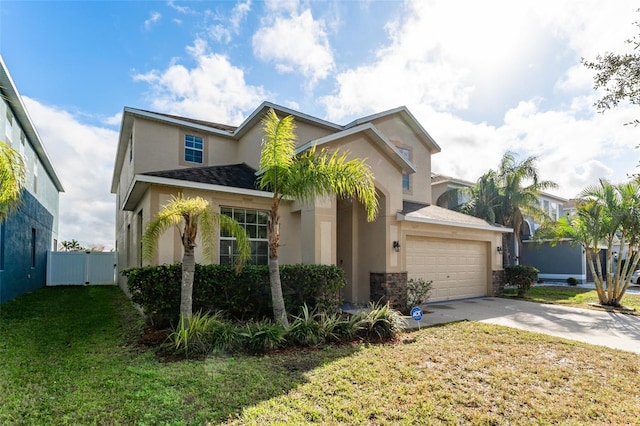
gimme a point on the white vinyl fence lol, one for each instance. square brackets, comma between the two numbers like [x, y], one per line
[81, 268]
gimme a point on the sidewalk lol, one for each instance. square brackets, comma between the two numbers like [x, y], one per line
[611, 329]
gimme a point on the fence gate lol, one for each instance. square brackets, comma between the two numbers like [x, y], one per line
[80, 268]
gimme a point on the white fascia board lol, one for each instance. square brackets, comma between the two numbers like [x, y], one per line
[177, 121]
[401, 217]
[259, 112]
[370, 130]
[402, 110]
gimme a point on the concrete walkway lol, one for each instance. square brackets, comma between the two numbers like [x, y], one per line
[611, 329]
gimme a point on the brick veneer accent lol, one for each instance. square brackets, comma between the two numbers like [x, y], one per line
[498, 280]
[389, 287]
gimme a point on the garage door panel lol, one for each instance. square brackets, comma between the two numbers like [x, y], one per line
[457, 268]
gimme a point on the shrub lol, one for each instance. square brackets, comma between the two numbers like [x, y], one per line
[521, 276]
[381, 322]
[242, 296]
[572, 281]
[333, 327]
[194, 336]
[304, 329]
[418, 292]
[262, 336]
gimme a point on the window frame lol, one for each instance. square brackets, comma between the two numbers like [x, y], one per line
[257, 233]
[406, 178]
[193, 150]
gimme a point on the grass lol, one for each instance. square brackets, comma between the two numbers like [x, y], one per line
[69, 356]
[572, 296]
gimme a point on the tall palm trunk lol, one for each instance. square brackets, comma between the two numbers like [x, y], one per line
[188, 273]
[279, 309]
[188, 268]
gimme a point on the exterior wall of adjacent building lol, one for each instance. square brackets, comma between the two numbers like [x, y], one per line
[31, 231]
[557, 262]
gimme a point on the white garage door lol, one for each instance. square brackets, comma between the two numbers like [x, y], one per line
[457, 268]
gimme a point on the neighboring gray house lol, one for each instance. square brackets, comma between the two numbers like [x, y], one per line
[27, 235]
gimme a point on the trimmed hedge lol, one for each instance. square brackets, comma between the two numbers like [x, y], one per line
[241, 296]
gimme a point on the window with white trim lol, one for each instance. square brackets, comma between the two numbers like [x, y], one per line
[406, 179]
[193, 149]
[255, 224]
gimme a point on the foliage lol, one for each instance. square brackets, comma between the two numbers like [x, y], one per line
[304, 177]
[505, 197]
[193, 213]
[606, 215]
[305, 330]
[379, 323]
[262, 336]
[617, 75]
[521, 276]
[72, 245]
[195, 336]
[418, 291]
[218, 288]
[12, 180]
[572, 281]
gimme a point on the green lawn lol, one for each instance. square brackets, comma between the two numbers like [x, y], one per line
[572, 296]
[69, 356]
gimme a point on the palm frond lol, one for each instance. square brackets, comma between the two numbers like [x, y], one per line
[12, 180]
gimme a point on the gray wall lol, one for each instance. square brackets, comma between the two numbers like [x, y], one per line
[556, 263]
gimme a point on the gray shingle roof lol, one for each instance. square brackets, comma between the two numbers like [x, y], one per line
[234, 175]
[427, 211]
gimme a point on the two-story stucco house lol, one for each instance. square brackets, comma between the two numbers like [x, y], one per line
[161, 155]
[27, 235]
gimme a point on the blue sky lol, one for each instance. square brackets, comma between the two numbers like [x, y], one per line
[481, 77]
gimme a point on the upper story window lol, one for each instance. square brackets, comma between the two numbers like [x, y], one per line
[193, 149]
[406, 179]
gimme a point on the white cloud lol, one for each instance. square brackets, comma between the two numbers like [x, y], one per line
[153, 19]
[295, 43]
[231, 24]
[83, 157]
[213, 90]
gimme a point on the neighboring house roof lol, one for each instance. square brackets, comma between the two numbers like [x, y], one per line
[427, 213]
[235, 175]
[14, 100]
[437, 178]
[553, 197]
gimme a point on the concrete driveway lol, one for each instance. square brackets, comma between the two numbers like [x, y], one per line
[615, 330]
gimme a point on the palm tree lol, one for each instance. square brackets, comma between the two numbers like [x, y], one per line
[504, 196]
[304, 177]
[483, 198]
[12, 180]
[193, 213]
[72, 245]
[520, 188]
[619, 220]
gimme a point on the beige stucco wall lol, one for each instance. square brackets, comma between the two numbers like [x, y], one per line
[401, 135]
[169, 245]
